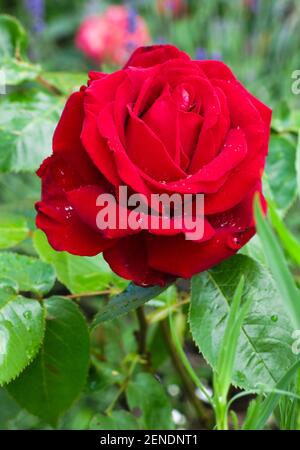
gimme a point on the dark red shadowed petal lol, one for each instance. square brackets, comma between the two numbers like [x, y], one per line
[184, 258]
[128, 258]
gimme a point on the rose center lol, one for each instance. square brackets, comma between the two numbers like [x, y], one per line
[182, 97]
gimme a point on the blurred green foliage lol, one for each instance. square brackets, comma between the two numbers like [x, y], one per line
[256, 38]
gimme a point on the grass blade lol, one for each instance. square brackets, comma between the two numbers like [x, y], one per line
[290, 243]
[298, 165]
[261, 411]
[282, 275]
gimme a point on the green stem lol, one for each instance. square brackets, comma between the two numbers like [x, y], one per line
[142, 333]
[186, 363]
[203, 413]
[123, 386]
[141, 337]
[49, 86]
[220, 409]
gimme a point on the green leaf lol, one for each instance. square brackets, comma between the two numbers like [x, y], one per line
[254, 250]
[79, 274]
[145, 395]
[9, 409]
[290, 294]
[13, 44]
[264, 350]
[118, 420]
[21, 332]
[13, 229]
[31, 274]
[27, 124]
[287, 120]
[54, 380]
[18, 194]
[66, 82]
[281, 172]
[133, 297]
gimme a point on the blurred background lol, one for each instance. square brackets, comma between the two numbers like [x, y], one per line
[258, 39]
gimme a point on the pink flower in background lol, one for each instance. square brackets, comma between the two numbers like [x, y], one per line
[112, 36]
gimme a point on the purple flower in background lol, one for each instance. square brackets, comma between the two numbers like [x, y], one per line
[200, 54]
[36, 10]
[132, 19]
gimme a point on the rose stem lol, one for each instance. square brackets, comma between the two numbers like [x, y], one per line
[141, 336]
[204, 415]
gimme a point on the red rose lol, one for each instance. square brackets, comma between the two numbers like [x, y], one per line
[164, 123]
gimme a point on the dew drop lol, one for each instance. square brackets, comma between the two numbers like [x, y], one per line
[274, 318]
[68, 212]
[27, 315]
[234, 242]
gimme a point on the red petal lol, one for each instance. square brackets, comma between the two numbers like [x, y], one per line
[97, 148]
[185, 258]
[128, 258]
[145, 149]
[162, 119]
[153, 55]
[240, 182]
[66, 232]
[219, 70]
[67, 133]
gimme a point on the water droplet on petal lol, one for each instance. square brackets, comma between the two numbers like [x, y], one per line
[68, 211]
[234, 241]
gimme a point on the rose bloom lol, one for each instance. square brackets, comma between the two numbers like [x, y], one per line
[112, 36]
[162, 124]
